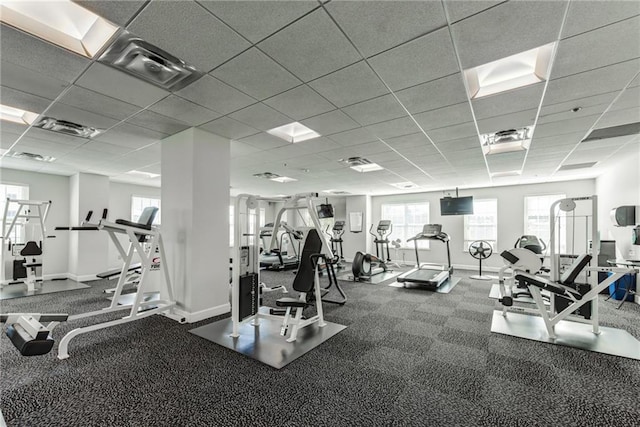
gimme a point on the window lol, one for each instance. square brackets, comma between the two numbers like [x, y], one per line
[483, 224]
[15, 192]
[252, 218]
[407, 220]
[537, 221]
[139, 203]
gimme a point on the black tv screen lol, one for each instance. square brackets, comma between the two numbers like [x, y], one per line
[325, 211]
[456, 205]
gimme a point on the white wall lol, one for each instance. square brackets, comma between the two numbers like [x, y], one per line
[510, 218]
[56, 189]
[620, 186]
[354, 242]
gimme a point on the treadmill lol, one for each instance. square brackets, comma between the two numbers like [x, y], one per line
[426, 275]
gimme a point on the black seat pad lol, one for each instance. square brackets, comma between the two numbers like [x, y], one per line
[133, 224]
[290, 302]
[31, 249]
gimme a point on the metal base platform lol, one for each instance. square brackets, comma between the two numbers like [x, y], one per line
[375, 279]
[46, 287]
[494, 293]
[264, 343]
[483, 277]
[445, 288]
[570, 334]
[128, 299]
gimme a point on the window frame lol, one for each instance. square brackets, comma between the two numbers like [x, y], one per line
[563, 225]
[466, 241]
[158, 219]
[404, 244]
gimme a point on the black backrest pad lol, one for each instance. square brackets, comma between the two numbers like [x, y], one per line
[148, 215]
[570, 274]
[31, 249]
[305, 275]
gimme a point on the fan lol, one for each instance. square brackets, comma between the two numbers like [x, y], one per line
[396, 246]
[480, 250]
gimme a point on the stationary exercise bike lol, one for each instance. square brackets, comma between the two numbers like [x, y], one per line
[364, 266]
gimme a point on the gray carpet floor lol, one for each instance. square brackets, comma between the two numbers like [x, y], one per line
[408, 357]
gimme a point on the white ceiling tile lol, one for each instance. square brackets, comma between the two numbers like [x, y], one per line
[396, 127]
[457, 145]
[215, 95]
[589, 83]
[443, 117]
[375, 110]
[39, 56]
[186, 30]
[406, 142]
[594, 49]
[255, 74]
[83, 117]
[257, 19]
[590, 101]
[515, 100]
[350, 85]
[242, 149]
[619, 117]
[507, 29]
[95, 102]
[26, 80]
[260, 116]
[22, 100]
[568, 114]
[229, 128]
[434, 94]
[459, 131]
[353, 137]
[116, 84]
[131, 136]
[54, 137]
[300, 103]
[629, 98]
[580, 124]
[158, 122]
[329, 123]
[264, 141]
[372, 25]
[7, 139]
[413, 63]
[311, 47]
[505, 162]
[118, 12]
[460, 9]
[516, 120]
[105, 147]
[588, 15]
[183, 110]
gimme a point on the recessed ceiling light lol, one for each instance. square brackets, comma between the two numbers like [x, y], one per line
[506, 141]
[17, 115]
[405, 185]
[283, 179]
[577, 166]
[336, 192]
[294, 132]
[506, 173]
[67, 127]
[143, 174]
[521, 69]
[266, 175]
[63, 23]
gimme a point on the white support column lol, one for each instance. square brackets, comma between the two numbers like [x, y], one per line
[88, 251]
[354, 242]
[195, 221]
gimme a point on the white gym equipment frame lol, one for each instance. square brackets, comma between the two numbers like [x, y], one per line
[564, 328]
[24, 208]
[294, 203]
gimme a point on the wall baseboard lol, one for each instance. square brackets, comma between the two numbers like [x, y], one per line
[204, 314]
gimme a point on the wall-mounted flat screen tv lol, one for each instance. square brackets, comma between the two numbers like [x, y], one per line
[325, 211]
[456, 205]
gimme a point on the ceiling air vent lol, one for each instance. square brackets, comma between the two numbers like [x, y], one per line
[506, 141]
[577, 166]
[67, 128]
[145, 61]
[613, 132]
[361, 164]
[30, 156]
[266, 175]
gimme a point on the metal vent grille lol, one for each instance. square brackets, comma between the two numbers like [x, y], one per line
[66, 127]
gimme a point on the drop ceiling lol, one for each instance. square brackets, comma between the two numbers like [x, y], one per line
[380, 80]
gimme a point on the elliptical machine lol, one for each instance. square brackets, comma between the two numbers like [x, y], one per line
[365, 266]
[336, 241]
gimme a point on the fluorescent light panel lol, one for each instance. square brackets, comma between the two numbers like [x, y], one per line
[521, 69]
[294, 132]
[17, 115]
[506, 173]
[63, 23]
[405, 185]
[283, 179]
[370, 167]
[143, 174]
[506, 141]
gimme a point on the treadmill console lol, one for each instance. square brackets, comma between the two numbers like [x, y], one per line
[338, 225]
[431, 229]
